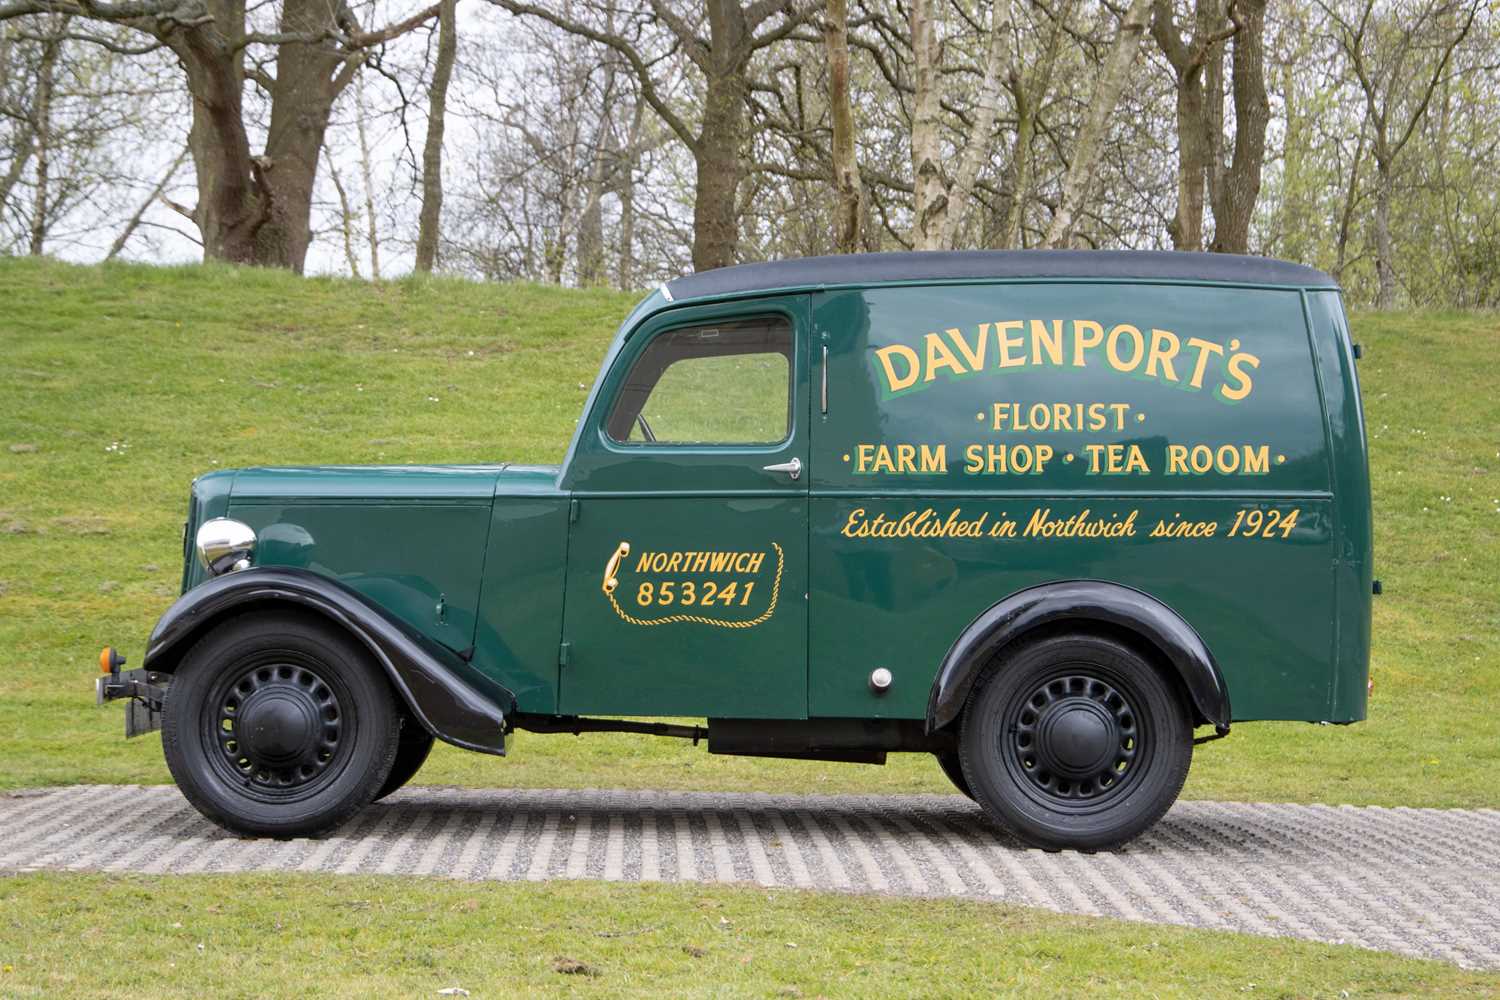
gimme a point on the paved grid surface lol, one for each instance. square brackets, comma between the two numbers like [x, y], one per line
[1417, 881]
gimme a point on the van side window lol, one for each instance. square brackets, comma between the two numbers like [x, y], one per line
[720, 383]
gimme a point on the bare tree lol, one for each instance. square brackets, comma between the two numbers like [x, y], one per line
[41, 131]
[736, 32]
[1077, 186]
[1029, 87]
[1399, 59]
[72, 118]
[432, 150]
[367, 175]
[1189, 59]
[155, 195]
[252, 208]
[940, 203]
[1234, 186]
[848, 192]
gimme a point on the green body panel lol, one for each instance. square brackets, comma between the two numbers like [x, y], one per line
[411, 539]
[1354, 559]
[1264, 606]
[521, 601]
[900, 605]
[744, 655]
[207, 499]
[741, 656]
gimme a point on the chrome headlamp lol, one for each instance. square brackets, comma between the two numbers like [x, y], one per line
[225, 545]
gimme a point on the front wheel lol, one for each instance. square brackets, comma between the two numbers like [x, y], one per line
[278, 725]
[1076, 741]
[411, 754]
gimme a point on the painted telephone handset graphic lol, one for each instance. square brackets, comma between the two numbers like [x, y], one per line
[611, 582]
[613, 567]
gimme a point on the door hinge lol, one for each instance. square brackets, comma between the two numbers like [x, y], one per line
[572, 511]
[564, 649]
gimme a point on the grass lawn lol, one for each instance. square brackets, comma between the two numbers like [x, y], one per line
[121, 382]
[191, 936]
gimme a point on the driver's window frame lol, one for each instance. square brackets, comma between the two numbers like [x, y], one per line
[642, 351]
[598, 465]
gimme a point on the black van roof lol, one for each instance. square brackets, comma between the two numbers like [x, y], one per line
[877, 268]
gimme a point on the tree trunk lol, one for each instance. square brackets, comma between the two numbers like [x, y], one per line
[1018, 176]
[848, 192]
[41, 131]
[1385, 268]
[346, 217]
[371, 223]
[1196, 141]
[1346, 217]
[625, 191]
[255, 209]
[929, 192]
[591, 221]
[718, 163]
[1079, 183]
[977, 146]
[229, 210]
[1030, 91]
[1237, 189]
[301, 103]
[1186, 227]
[22, 139]
[432, 151]
[625, 261]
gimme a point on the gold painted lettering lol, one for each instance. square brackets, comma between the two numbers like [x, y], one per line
[1049, 341]
[1241, 389]
[1164, 347]
[1082, 342]
[888, 355]
[1007, 343]
[1112, 348]
[973, 356]
[938, 356]
[1204, 349]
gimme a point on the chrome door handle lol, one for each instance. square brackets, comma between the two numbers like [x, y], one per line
[824, 405]
[792, 468]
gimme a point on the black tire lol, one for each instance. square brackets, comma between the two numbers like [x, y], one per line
[1076, 741]
[411, 754]
[954, 769]
[278, 725]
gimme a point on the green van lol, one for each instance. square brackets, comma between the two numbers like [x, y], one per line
[1042, 515]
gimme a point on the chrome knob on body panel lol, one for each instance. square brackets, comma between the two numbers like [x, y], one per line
[792, 468]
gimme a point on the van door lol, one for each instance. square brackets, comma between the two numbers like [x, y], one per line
[687, 561]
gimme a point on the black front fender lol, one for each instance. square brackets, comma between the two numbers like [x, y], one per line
[1081, 601]
[452, 700]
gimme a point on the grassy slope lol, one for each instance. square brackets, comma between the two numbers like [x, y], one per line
[130, 380]
[336, 936]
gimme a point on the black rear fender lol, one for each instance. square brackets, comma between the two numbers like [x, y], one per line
[445, 694]
[1082, 604]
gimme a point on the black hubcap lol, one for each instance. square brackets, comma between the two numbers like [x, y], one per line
[278, 726]
[1073, 742]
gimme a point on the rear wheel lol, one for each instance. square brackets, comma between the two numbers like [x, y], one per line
[278, 725]
[411, 754]
[954, 769]
[1076, 741]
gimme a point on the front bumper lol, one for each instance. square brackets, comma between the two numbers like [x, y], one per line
[144, 692]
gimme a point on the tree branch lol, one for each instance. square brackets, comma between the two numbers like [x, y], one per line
[621, 45]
